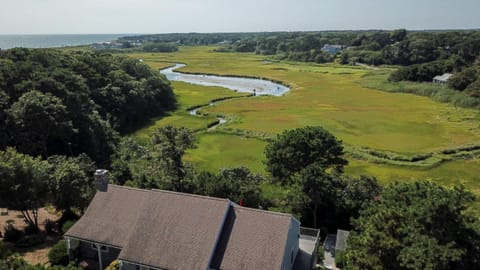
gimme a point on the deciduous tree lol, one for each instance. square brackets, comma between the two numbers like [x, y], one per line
[23, 184]
[417, 225]
[294, 150]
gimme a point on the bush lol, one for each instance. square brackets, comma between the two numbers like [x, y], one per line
[12, 234]
[58, 254]
[66, 216]
[340, 259]
[67, 225]
[30, 240]
[113, 266]
[31, 229]
[4, 251]
[50, 226]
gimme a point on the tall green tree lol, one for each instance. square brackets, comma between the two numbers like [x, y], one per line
[71, 182]
[418, 225]
[42, 124]
[310, 160]
[169, 146]
[23, 184]
[319, 186]
[238, 184]
[294, 150]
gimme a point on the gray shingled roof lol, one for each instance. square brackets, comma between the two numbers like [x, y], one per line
[173, 230]
[110, 216]
[252, 239]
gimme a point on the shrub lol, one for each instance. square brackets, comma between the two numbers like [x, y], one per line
[113, 266]
[30, 240]
[4, 251]
[12, 234]
[66, 216]
[58, 254]
[50, 226]
[31, 229]
[340, 259]
[67, 225]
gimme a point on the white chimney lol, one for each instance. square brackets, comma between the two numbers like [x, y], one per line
[101, 180]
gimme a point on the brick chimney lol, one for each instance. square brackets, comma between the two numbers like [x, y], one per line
[101, 180]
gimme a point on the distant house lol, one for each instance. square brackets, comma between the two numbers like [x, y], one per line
[157, 229]
[442, 79]
[332, 49]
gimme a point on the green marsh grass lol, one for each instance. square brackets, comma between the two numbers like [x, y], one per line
[343, 99]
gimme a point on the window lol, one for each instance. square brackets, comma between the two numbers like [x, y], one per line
[102, 248]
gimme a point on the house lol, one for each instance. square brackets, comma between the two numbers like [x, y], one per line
[158, 229]
[332, 49]
[442, 79]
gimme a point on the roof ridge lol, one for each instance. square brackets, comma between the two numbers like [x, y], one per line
[130, 188]
[262, 211]
[190, 195]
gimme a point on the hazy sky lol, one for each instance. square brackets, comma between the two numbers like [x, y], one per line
[165, 16]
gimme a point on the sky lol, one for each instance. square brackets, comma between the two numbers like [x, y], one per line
[168, 16]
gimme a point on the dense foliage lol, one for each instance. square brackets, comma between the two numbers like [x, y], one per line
[294, 150]
[28, 183]
[416, 226]
[68, 103]
[23, 184]
[239, 185]
[57, 255]
[309, 162]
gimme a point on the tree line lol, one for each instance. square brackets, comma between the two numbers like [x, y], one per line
[68, 103]
[421, 55]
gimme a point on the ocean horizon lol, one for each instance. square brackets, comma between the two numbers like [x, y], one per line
[55, 40]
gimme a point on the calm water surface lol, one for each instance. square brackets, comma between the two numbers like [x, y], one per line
[49, 41]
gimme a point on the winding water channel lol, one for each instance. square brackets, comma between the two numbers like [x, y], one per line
[256, 87]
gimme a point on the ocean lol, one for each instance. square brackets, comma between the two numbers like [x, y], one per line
[50, 41]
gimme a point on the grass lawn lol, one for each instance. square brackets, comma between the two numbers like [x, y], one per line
[329, 95]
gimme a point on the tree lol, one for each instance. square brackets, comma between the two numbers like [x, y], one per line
[461, 80]
[294, 150]
[41, 121]
[238, 184]
[169, 146]
[398, 35]
[319, 186]
[309, 160]
[23, 184]
[71, 182]
[418, 225]
[4, 138]
[354, 195]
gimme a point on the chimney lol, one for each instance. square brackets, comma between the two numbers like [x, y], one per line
[101, 180]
